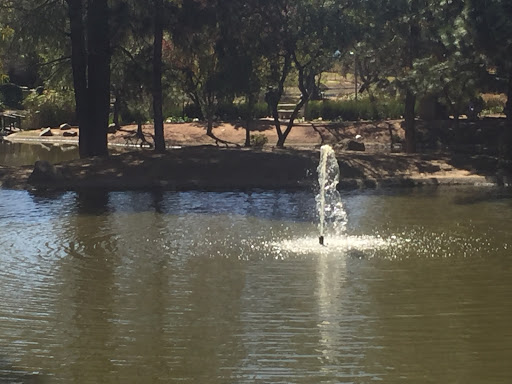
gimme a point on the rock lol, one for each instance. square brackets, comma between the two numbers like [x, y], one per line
[70, 134]
[353, 145]
[46, 132]
[65, 127]
[44, 172]
[396, 147]
[112, 128]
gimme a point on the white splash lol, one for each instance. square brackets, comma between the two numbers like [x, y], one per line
[332, 215]
[340, 244]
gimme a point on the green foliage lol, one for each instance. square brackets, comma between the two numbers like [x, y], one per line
[493, 104]
[49, 109]
[236, 111]
[258, 140]
[178, 120]
[12, 95]
[5, 35]
[491, 24]
[352, 110]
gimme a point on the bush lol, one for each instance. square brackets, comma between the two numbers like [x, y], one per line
[493, 103]
[258, 140]
[352, 110]
[193, 111]
[11, 95]
[178, 120]
[230, 111]
[49, 109]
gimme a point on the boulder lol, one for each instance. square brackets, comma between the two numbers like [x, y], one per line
[353, 145]
[112, 128]
[396, 147]
[46, 132]
[65, 127]
[44, 172]
[70, 134]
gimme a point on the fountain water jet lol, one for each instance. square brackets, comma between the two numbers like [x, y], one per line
[328, 201]
[332, 221]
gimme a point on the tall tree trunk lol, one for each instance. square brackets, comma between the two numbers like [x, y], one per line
[410, 128]
[157, 76]
[248, 125]
[115, 112]
[91, 73]
[250, 117]
[209, 126]
[98, 76]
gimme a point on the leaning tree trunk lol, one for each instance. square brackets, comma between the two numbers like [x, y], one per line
[157, 77]
[274, 97]
[98, 71]
[284, 135]
[410, 128]
[306, 83]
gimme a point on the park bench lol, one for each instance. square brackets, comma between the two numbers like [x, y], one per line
[10, 122]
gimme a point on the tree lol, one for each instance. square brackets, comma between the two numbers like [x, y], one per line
[5, 34]
[90, 59]
[195, 56]
[301, 36]
[158, 30]
[431, 53]
[491, 24]
[242, 57]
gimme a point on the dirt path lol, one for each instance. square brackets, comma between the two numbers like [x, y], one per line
[303, 135]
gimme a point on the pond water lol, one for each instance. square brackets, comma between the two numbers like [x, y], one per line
[202, 287]
[17, 154]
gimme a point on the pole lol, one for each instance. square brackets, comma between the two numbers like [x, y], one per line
[355, 74]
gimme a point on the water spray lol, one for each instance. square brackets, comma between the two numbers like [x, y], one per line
[328, 201]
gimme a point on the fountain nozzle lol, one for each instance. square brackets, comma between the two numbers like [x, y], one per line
[321, 240]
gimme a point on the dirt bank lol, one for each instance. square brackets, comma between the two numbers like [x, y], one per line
[212, 167]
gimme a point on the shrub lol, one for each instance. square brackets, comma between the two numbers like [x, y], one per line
[178, 120]
[230, 111]
[351, 110]
[193, 111]
[258, 140]
[493, 103]
[49, 109]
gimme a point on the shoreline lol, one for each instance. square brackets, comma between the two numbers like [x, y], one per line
[226, 169]
[193, 161]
